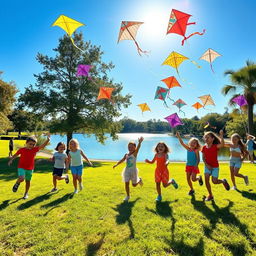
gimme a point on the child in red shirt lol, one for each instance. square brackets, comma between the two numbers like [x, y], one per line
[26, 162]
[210, 158]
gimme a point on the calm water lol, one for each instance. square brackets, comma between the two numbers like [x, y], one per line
[114, 150]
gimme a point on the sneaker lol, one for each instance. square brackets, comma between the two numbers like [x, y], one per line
[76, 191]
[67, 179]
[141, 182]
[173, 182]
[126, 199]
[246, 180]
[25, 196]
[209, 198]
[159, 198]
[200, 180]
[15, 187]
[81, 186]
[54, 190]
[226, 185]
[234, 188]
[191, 192]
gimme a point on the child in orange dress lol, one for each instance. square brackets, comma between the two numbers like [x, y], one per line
[161, 172]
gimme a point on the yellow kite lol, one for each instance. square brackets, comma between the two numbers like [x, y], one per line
[69, 25]
[144, 107]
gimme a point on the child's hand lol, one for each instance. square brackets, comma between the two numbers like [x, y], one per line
[221, 133]
[114, 166]
[141, 139]
[178, 134]
[209, 167]
[90, 164]
[146, 161]
[10, 162]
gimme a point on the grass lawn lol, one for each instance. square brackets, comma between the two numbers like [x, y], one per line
[97, 222]
[4, 146]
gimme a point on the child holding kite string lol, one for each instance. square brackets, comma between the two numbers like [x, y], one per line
[60, 160]
[193, 159]
[75, 159]
[238, 153]
[161, 171]
[130, 172]
[26, 162]
[210, 157]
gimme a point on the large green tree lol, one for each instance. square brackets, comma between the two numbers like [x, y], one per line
[7, 99]
[243, 81]
[70, 102]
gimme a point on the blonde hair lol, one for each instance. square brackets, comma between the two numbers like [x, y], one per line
[197, 141]
[132, 143]
[31, 138]
[75, 141]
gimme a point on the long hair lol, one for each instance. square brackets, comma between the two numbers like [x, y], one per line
[166, 149]
[60, 144]
[240, 143]
[216, 139]
[75, 141]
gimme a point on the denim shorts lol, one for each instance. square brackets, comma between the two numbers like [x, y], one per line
[235, 162]
[214, 172]
[77, 170]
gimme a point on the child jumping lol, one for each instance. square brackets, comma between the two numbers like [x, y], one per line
[26, 162]
[238, 153]
[60, 160]
[161, 171]
[75, 159]
[193, 159]
[130, 172]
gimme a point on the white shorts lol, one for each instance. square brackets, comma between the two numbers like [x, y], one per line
[131, 174]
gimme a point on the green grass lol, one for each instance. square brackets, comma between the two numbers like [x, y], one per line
[4, 146]
[96, 222]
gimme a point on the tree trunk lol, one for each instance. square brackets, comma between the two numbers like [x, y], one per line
[69, 137]
[250, 118]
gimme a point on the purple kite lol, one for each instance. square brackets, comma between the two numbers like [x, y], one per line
[83, 70]
[174, 120]
[240, 100]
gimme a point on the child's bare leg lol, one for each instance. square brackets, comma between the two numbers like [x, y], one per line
[79, 178]
[127, 188]
[217, 181]
[54, 181]
[75, 181]
[27, 186]
[189, 180]
[207, 183]
[158, 188]
[232, 176]
[237, 174]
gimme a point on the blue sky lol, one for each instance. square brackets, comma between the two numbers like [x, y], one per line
[230, 30]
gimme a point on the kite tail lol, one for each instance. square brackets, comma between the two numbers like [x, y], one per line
[72, 40]
[165, 104]
[140, 51]
[195, 63]
[170, 98]
[211, 67]
[182, 112]
[196, 33]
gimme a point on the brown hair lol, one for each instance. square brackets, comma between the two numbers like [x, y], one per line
[216, 139]
[166, 150]
[60, 144]
[197, 141]
[240, 143]
[31, 138]
[132, 143]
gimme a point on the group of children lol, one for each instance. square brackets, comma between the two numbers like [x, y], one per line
[74, 160]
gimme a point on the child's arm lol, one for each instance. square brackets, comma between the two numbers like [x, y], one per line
[45, 143]
[68, 162]
[138, 147]
[13, 157]
[166, 159]
[120, 161]
[181, 141]
[207, 165]
[222, 143]
[245, 154]
[86, 159]
[197, 157]
[152, 161]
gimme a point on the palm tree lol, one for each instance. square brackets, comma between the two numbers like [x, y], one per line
[243, 81]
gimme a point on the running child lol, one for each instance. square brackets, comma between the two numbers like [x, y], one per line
[210, 157]
[75, 159]
[60, 160]
[161, 171]
[26, 162]
[238, 153]
[193, 159]
[130, 172]
[250, 148]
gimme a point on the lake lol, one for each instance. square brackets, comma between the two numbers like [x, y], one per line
[115, 150]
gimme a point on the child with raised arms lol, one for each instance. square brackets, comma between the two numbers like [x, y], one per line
[26, 162]
[161, 172]
[238, 153]
[210, 157]
[193, 159]
[75, 159]
[60, 160]
[130, 172]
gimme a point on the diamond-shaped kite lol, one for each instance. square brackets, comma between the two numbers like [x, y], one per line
[174, 120]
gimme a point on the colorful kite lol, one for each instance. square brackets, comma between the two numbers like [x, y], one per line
[240, 100]
[178, 23]
[208, 125]
[210, 55]
[180, 103]
[206, 100]
[128, 31]
[161, 94]
[171, 82]
[197, 106]
[105, 93]
[83, 70]
[69, 26]
[174, 120]
[144, 107]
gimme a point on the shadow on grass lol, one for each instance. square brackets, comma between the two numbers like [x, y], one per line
[92, 248]
[227, 217]
[124, 214]
[35, 201]
[58, 201]
[248, 195]
[6, 203]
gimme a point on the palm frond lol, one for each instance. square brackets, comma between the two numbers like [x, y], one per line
[228, 89]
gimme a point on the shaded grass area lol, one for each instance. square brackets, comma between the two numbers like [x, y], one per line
[97, 222]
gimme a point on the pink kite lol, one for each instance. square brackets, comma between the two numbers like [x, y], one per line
[174, 120]
[240, 100]
[83, 70]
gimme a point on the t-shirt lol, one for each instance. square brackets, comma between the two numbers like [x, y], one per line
[249, 144]
[191, 158]
[211, 155]
[76, 158]
[59, 160]
[27, 157]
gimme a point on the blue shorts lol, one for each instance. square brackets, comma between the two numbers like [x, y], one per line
[235, 162]
[58, 171]
[77, 170]
[214, 172]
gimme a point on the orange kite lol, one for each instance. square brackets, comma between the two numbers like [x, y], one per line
[105, 93]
